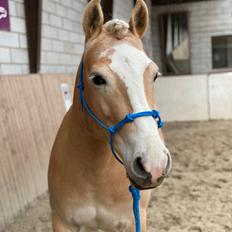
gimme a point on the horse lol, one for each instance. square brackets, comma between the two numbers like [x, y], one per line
[88, 188]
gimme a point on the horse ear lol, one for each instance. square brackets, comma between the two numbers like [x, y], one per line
[139, 19]
[93, 19]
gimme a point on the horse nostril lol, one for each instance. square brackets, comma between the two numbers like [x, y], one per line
[140, 164]
[139, 169]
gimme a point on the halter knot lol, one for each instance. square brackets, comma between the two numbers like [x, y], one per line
[134, 192]
[156, 113]
[112, 130]
[156, 116]
[129, 118]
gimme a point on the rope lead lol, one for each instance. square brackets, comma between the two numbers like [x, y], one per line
[136, 197]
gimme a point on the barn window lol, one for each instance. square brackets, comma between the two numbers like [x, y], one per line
[175, 43]
[222, 52]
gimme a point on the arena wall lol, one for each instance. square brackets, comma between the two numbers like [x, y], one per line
[31, 110]
[195, 97]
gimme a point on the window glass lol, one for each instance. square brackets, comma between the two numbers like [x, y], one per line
[222, 51]
[175, 41]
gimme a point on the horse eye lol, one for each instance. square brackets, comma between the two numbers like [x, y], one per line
[98, 80]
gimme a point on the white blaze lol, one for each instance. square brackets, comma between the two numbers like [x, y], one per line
[130, 63]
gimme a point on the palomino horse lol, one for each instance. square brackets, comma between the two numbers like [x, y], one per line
[88, 188]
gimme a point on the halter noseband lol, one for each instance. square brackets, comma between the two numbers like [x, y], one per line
[113, 129]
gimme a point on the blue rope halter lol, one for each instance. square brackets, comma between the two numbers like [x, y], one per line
[113, 130]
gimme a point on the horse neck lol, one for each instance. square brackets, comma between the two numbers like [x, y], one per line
[86, 138]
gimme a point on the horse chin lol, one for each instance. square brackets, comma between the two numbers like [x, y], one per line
[141, 187]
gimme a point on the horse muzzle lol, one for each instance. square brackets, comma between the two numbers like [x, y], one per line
[144, 177]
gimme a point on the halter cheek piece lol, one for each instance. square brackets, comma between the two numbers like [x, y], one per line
[113, 129]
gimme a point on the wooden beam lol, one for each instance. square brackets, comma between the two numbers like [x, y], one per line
[33, 14]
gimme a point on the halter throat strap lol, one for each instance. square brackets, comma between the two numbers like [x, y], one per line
[114, 128]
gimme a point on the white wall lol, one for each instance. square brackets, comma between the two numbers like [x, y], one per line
[220, 96]
[206, 19]
[195, 97]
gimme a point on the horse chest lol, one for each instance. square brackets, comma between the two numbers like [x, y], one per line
[90, 217]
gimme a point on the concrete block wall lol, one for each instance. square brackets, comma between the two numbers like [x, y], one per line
[148, 38]
[13, 44]
[122, 9]
[62, 35]
[206, 19]
[62, 41]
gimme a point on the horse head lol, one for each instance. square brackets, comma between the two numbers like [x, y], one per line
[119, 79]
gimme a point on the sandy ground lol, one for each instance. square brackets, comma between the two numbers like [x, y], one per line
[196, 198]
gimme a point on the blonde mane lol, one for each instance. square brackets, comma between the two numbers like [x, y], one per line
[117, 27]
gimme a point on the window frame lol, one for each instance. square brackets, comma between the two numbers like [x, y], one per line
[223, 69]
[162, 43]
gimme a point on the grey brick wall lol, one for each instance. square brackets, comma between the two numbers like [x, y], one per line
[13, 45]
[62, 35]
[122, 9]
[62, 41]
[206, 19]
[148, 40]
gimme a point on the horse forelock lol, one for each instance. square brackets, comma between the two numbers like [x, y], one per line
[117, 28]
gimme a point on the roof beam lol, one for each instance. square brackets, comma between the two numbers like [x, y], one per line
[33, 11]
